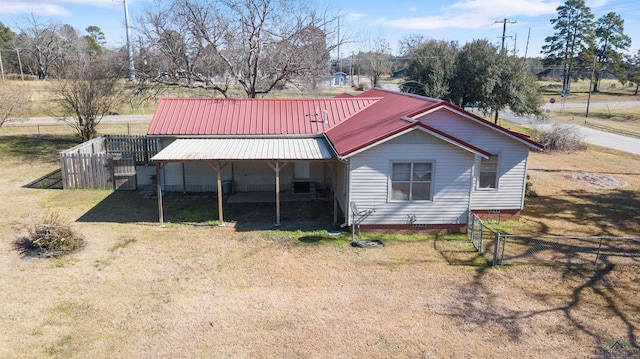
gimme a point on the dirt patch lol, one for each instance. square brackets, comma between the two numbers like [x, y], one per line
[598, 180]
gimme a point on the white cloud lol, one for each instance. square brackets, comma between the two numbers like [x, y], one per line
[501, 8]
[473, 14]
[50, 7]
[465, 21]
[354, 16]
[80, 2]
[597, 3]
[35, 8]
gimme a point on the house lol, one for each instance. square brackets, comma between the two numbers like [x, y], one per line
[396, 74]
[416, 163]
[337, 79]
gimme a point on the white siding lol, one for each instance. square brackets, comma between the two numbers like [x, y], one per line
[512, 159]
[452, 175]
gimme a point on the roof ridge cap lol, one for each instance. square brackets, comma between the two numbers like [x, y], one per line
[274, 98]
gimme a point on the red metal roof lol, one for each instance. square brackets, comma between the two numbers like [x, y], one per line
[353, 122]
[394, 113]
[377, 122]
[215, 116]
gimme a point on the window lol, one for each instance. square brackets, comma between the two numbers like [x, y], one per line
[411, 181]
[488, 172]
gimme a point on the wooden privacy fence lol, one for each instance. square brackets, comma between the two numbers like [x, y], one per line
[140, 148]
[106, 162]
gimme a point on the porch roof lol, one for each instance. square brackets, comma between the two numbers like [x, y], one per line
[204, 149]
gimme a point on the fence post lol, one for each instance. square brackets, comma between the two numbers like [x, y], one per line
[481, 235]
[598, 252]
[496, 248]
[473, 227]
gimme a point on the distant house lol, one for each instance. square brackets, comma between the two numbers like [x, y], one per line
[399, 73]
[337, 79]
[418, 163]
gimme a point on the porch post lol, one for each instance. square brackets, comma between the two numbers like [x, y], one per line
[159, 166]
[184, 179]
[218, 166]
[277, 168]
[220, 194]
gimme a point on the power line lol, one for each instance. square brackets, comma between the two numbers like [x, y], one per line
[504, 28]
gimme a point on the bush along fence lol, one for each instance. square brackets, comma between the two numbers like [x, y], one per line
[507, 249]
[106, 162]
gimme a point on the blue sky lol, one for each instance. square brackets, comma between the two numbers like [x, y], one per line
[461, 20]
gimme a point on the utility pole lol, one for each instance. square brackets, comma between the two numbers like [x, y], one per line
[1, 67]
[132, 71]
[502, 50]
[339, 59]
[504, 28]
[526, 49]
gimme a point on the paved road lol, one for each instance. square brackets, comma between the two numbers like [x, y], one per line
[53, 120]
[594, 137]
[558, 105]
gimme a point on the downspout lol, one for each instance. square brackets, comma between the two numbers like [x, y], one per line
[473, 176]
[524, 184]
[347, 187]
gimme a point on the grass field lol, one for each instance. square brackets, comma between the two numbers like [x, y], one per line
[140, 291]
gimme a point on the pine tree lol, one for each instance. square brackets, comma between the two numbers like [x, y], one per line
[574, 36]
[610, 44]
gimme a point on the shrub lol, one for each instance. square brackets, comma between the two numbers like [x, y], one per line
[52, 237]
[559, 137]
[529, 191]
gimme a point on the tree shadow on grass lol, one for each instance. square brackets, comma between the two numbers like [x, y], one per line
[43, 148]
[613, 212]
[476, 303]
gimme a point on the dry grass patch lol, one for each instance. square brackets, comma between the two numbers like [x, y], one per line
[573, 200]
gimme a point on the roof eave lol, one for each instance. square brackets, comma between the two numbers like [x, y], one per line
[450, 107]
[411, 127]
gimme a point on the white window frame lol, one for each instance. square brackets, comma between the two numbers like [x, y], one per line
[411, 181]
[496, 172]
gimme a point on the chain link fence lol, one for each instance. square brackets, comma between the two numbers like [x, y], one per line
[507, 249]
[565, 250]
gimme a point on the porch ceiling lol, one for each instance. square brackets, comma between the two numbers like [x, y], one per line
[205, 149]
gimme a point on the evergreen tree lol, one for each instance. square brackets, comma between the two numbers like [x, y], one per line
[632, 70]
[610, 44]
[432, 64]
[574, 36]
[476, 74]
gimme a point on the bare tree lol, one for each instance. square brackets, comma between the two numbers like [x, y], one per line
[14, 102]
[42, 42]
[377, 55]
[84, 98]
[258, 44]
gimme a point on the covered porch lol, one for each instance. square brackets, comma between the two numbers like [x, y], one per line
[237, 161]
